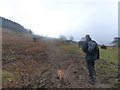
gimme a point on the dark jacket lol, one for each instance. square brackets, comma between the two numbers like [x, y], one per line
[89, 56]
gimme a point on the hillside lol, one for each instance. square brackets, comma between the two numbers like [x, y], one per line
[28, 64]
[20, 56]
[10, 25]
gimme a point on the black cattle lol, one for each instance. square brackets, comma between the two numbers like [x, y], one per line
[103, 47]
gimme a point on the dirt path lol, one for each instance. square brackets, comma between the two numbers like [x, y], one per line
[76, 77]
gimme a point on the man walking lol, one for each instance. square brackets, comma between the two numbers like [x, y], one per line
[91, 49]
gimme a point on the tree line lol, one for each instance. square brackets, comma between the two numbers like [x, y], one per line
[116, 41]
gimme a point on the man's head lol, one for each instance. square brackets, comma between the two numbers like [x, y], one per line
[87, 37]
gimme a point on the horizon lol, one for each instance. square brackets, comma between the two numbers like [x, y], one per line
[74, 18]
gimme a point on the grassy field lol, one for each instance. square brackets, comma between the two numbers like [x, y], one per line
[106, 67]
[110, 55]
[72, 48]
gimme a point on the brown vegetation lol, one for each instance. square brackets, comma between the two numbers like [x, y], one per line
[16, 43]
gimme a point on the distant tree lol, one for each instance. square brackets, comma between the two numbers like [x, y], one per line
[83, 39]
[63, 38]
[71, 38]
[30, 31]
[81, 42]
[116, 41]
[34, 39]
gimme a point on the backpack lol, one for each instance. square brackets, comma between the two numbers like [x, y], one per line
[92, 46]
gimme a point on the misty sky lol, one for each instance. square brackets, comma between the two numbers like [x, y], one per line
[76, 18]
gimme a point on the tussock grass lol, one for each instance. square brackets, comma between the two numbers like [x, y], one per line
[9, 77]
[108, 60]
[109, 55]
[107, 66]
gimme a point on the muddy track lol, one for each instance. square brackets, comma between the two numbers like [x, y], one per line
[76, 77]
